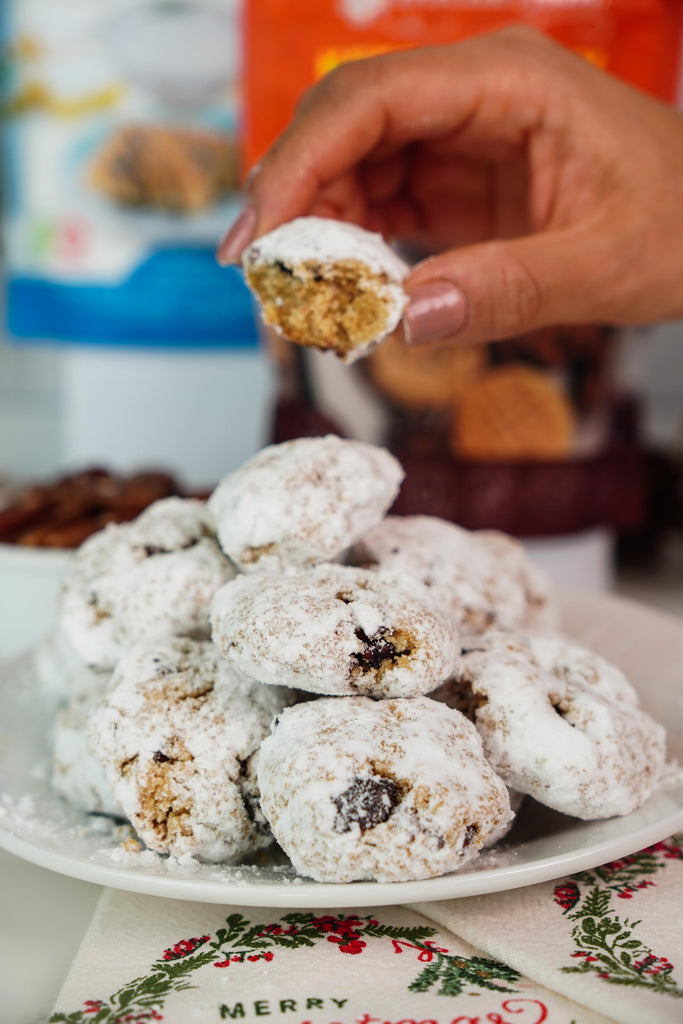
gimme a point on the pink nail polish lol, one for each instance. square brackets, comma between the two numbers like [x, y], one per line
[238, 237]
[436, 310]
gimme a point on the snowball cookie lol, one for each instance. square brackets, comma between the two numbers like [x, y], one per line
[335, 630]
[60, 670]
[559, 723]
[174, 732]
[132, 581]
[327, 284]
[302, 502]
[481, 580]
[76, 775]
[386, 790]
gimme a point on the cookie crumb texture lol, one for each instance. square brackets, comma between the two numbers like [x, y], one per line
[335, 630]
[392, 790]
[175, 733]
[327, 284]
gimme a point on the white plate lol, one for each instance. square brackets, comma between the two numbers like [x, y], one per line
[543, 845]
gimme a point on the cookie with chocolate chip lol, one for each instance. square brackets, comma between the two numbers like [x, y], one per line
[388, 790]
[335, 630]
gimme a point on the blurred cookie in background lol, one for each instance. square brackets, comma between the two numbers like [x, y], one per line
[514, 412]
[424, 377]
[177, 169]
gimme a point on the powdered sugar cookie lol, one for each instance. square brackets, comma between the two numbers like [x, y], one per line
[152, 577]
[302, 502]
[481, 580]
[327, 284]
[60, 670]
[76, 775]
[386, 790]
[560, 724]
[335, 629]
[174, 732]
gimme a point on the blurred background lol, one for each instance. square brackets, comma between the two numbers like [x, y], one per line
[128, 126]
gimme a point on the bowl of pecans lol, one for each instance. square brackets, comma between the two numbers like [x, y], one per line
[42, 524]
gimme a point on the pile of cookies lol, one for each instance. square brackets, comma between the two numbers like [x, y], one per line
[288, 662]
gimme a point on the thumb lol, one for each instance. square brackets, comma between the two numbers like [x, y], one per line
[500, 289]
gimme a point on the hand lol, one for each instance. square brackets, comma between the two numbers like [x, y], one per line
[549, 191]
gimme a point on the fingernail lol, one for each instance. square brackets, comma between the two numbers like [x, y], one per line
[238, 237]
[435, 310]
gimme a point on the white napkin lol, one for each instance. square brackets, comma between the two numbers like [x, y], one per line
[147, 959]
[603, 945]
[610, 938]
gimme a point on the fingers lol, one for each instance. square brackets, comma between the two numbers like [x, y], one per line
[371, 109]
[501, 289]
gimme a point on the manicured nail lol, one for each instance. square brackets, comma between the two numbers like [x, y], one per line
[436, 310]
[238, 237]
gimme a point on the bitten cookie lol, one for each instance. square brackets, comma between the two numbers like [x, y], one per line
[76, 775]
[386, 790]
[302, 502]
[335, 630]
[559, 723]
[480, 580]
[175, 732]
[153, 577]
[327, 284]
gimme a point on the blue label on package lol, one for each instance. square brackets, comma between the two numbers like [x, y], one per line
[179, 297]
[121, 170]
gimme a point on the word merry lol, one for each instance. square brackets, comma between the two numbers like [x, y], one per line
[262, 1007]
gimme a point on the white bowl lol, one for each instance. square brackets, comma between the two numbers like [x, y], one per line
[30, 579]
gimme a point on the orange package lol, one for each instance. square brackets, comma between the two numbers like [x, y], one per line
[289, 44]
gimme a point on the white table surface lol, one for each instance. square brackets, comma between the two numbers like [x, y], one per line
[43, 918]
[44, 915]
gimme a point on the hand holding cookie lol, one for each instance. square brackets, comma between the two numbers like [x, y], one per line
[550, 191]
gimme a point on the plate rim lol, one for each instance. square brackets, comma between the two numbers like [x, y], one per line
[319, 895]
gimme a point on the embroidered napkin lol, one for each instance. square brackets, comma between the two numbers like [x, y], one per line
[603, 945]
[610, 938]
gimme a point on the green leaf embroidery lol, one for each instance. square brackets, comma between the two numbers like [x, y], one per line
[606, 944]
[240, 940]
